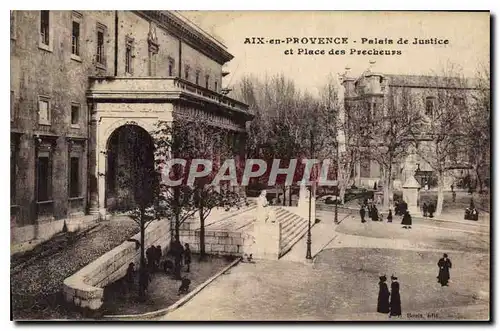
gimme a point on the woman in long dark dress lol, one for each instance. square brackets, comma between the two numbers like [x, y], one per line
[444, 265]
[383, 296]
[395, 303]
[406, 220]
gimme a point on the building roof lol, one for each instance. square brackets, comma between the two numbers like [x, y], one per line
[431, 81]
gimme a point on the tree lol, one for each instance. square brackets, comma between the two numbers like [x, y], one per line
[476, 126]
[441, 136]
[191, 139]
[145, 204]
[390, 136]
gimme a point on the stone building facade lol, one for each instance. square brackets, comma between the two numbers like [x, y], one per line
[371, 92]
[77, 79]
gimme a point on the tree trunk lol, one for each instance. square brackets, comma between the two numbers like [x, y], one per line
[284, 195]
[440, 197]
[479, 180]
[387, 188]
[202, 233]
[142, 265]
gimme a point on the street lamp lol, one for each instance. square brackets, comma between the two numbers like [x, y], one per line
[309, 241]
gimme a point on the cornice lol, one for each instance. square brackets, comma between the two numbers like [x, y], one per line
[188, 34]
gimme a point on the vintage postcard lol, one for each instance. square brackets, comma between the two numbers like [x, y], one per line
[250, 165]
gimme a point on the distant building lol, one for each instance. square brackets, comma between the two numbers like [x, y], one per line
[78, 78]
[370, 92]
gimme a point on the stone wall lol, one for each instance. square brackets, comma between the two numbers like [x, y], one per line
[85, 288]
[216, 242]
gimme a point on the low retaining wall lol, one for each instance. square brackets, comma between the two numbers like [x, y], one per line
[85, 288]
[216, 242]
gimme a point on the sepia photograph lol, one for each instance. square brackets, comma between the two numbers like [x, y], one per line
[190, 165]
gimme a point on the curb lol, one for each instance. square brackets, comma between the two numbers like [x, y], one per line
[177, 304]
[353, 211]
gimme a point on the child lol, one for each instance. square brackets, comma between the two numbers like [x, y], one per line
[184, 288]
[389, 217]
[187, 256]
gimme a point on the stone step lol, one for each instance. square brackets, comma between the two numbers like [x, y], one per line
[294, 240]
[285, 222]
[290, 232]
[291, 223]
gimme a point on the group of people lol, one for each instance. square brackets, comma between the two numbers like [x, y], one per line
[428, 209]
[371, 210]
[389, 302]
[181, 255]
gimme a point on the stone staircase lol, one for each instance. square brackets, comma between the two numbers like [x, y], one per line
[293, 228]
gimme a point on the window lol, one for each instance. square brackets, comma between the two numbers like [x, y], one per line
[128, 59]
[215, 86]
[44, 177]
[75, 39]
[129, 54]
[171, 64]
[75, 115]
[197, 77]
[100, 52]
[74, 177]
[12, 24]
[152, 63]
[186, 72]
[43, 111]
[45, 27]
[429, 106]
[207, 81]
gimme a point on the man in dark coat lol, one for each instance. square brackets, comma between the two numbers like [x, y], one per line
[431, 209]
[362, 214]
[151, 257]
[424, 209]
[406, 220]
[383, 296]
[444, 265]
[177, 252]
[375, 213]
[395, 303]
[389, 217]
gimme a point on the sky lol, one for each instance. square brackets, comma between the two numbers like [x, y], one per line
[468, 36]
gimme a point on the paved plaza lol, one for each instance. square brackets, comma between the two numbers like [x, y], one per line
[342, 283]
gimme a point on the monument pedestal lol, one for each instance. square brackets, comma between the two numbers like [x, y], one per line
[267, 241]
[410, 195]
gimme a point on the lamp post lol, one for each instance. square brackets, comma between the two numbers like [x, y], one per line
[336, 219]
[309, 241]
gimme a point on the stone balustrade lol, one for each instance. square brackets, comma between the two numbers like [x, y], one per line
[85, 288]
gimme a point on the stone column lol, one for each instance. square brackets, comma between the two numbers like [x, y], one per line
[410, 195]
[101, 183]
[93, 199]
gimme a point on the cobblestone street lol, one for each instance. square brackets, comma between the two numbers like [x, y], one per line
[341, 284]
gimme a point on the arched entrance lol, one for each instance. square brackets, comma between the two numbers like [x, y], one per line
[130, 175]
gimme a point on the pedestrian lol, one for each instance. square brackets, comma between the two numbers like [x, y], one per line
[184, 288]
[362, 214]
[395, 302]
[187, 256]
[383, 296]
[374, 214]
[158, 257]
[389, 216]
[431, 209]
[406, 220]
[151, 257]
[444, 265]
[425, 209]
[130, 276]
[177, 251]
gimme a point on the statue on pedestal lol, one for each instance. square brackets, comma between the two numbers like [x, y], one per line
[264, 213]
